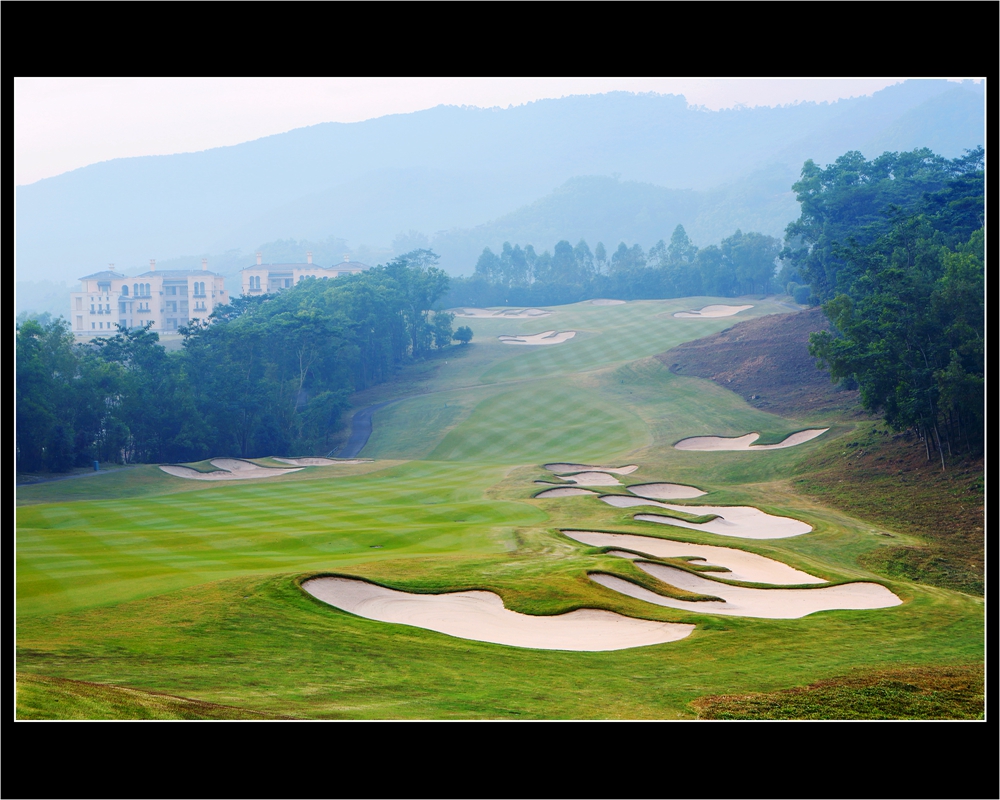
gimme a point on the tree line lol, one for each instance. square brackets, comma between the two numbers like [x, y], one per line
[264, 375]
[893, 248]
[744, 263]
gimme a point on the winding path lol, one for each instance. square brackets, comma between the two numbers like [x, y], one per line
[361, 429]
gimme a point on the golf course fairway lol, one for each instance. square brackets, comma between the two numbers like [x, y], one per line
[156, 585]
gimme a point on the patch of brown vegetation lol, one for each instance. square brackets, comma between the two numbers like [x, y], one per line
[885, 477]
[767, 362]
[956, 692]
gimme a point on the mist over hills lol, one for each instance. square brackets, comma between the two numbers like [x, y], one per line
[614, 167]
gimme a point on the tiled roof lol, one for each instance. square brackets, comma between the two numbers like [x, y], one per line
[107, 273]
[333, 267]
[174, 273]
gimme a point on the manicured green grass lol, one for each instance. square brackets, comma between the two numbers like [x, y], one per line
[141, 580]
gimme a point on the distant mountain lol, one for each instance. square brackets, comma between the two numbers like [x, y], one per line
[448, 169]
[612, 211]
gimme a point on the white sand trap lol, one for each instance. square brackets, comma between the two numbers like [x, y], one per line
[473, 312]
[711, 311]
[522, 313]
[621, 501]
[321, 462]
[741, 601]
[711, 443]
[507, 313]
[665, 491]
[569, 491]
[592, 479]
[481, 616]
[229, 469]
[560, 468]
[742, 566]
[603, 302]
[744, 522]
[546, 337]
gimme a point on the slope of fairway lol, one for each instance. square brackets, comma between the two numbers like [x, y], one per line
[92, 552]
[608, 335]
[543, 421]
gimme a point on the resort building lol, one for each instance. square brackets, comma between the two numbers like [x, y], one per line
[170, 299]
[263, 278]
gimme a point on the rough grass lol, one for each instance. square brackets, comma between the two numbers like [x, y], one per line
[948, 692]
[886, 478]
[39, 697]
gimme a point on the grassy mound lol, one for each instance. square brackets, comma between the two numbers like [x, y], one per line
[915, 693]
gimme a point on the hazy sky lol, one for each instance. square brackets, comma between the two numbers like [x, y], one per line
[63, 124]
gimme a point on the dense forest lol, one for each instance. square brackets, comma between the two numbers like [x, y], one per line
[894, 248]
[265, 375]
[743, 263]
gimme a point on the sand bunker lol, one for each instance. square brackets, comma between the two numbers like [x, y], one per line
[742, 566]
[321, 462]
[711, 311]
[506, 313]
[481, 616]
[547, 337]
[603, 302]
[710, 443]
[744, 522]
[230, 469]
[665, 491]
[592, 479]
[568, 491]
[560, 468]
[741, 601]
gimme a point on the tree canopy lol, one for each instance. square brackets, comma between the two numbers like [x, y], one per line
[264, 375]
[895, 247]
[744, 263]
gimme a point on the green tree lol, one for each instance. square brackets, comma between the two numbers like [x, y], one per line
[600, 258]
[681, 251]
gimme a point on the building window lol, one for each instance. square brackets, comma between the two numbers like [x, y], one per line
[125, 289]
[93, 325]
[91, 306]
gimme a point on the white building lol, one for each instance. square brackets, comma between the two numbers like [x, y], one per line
[264, 278]
[169, 298]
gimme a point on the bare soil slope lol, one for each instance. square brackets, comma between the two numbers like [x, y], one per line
[766, 361]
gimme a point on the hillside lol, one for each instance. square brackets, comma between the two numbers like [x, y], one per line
[448, 168]
[874, 474]
[766, 361]
[609, 210]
